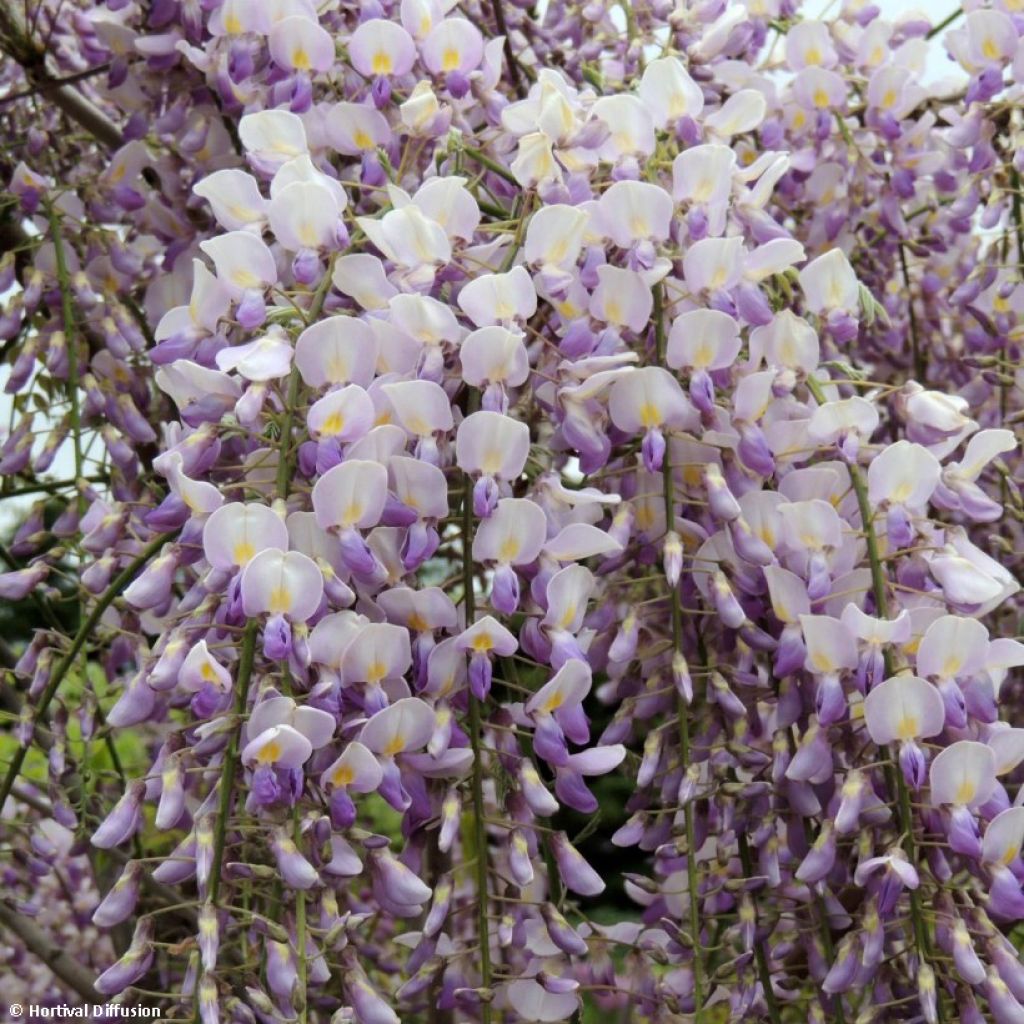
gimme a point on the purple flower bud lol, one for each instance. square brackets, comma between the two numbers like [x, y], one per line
[576, 874]
[480, 674]
[380, 91]
[356, 553]
[485, 497]
[123, 820]
[17, 585]
[118, 904]
[277, 638]
[963, 832]
[251, 311]
[342, 808]
[672, 557]
[653, 450]
[133, 965]
[296, 871]
[561, 933]
[913, 764]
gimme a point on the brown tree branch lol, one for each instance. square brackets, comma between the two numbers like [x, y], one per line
[16, 42]
[37, 942]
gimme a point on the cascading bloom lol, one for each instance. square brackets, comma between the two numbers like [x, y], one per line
[519, 469]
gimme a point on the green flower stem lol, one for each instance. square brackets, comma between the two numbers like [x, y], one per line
[492, 165]
[682, 709]
[227, 776]
[70, 340]
[894, 777]
[759, 954]
[945, 23]
[477, 781]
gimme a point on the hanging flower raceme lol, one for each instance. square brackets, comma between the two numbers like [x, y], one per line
[453, 421]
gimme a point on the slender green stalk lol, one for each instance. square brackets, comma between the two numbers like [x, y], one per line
[285, 450]
[123, 578]
[945, 23]
[48, 486]
[492, 165]
[70, 340]
[300, 930]
[510, 58]
[477, 781]
[919, 355]
[821, 913]
[759, 955]
[894, 777]
[230, 764]
[284, 459]
[682, 709]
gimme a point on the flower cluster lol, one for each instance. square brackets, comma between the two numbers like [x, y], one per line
[544, 507]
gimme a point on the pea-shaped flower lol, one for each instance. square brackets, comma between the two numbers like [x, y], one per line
[901, 480]
[207, 679]
[424, 410]
[236, 533]
[305, 217]
[703, 341]
[568, 591]
[340, 417]
[288, 587]
[282, 736]
[403, 727]
[557, 712]
[246, 268]
[453, 48]
[962, 778]
[348, 498]
[905, 709]
[492, 448]
[483, 639]
[336, 350]
[830, 651]
[952, 651]
[513, 535]
[301, 45]
[832, 291]
[355, 771]
[1000, 848]
[379, 651]
[650, 400]
[494, 359]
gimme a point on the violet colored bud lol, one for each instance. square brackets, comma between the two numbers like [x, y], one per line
[342, 808]
[277, 638]
[480, 672]
[913, 764]
[653, 450]
[123, 820]
[356, 553]
[485, 497]
[963, 832]
[133, 965]
[251, 311]
[505, 590]
[380, 91]
[120, 901]
[296, 871]
[576, 874]
[561, 933]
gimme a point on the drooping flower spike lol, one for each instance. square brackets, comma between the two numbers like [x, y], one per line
[447, 418]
